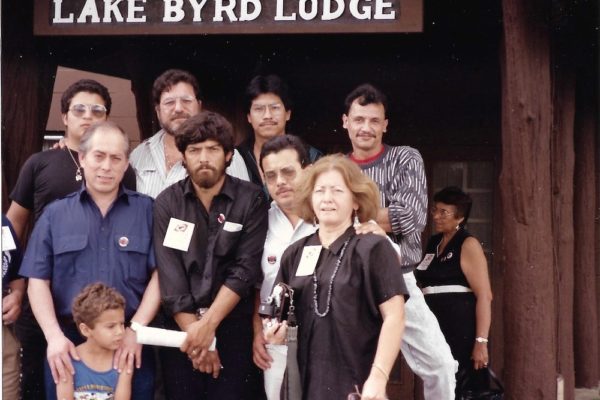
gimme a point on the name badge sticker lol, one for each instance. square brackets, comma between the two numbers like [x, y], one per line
[8, 242]
[179, 234]
[426, 261]
[308, 260]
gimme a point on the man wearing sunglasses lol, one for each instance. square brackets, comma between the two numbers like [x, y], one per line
[157, 162]
[269, 108]
[45, 177]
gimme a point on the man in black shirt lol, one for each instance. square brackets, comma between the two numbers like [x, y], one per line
[269, 107]
[209, 232]
[45, 177]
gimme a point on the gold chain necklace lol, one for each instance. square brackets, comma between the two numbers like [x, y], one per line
[78, 176]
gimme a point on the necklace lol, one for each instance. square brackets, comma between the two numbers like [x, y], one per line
[170, 161]
[316, 285]
[78, 176]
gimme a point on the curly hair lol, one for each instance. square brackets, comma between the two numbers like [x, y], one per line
[170, 78]
[93, 300]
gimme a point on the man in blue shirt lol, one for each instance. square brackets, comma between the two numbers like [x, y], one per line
[102, 233]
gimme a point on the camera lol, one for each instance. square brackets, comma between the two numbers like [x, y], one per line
[279, 304]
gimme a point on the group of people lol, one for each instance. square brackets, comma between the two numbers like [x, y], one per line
[180, 234]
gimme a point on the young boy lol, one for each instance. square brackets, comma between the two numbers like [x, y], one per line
[99, 313]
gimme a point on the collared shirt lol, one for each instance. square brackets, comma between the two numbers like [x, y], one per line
[50, 175]
[335, 352]
[72, 245]
[148, 160]
[246, 150]
[280, 235]
[224, 249]
[400, 175]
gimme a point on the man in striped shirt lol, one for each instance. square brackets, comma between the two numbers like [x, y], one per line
[157, 162]
[400, 175]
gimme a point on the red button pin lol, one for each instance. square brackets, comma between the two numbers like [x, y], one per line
[123, 241]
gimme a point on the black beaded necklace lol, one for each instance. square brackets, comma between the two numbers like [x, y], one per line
[316, 285]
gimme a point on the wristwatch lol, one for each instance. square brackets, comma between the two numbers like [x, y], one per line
[480, 339]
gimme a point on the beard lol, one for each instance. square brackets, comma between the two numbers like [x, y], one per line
[207, 176]
[171, 125]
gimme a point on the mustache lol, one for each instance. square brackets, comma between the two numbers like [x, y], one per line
[179, 115]
[205, 166]
[366, 133]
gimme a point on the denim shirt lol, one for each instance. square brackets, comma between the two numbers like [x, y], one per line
[73, 245]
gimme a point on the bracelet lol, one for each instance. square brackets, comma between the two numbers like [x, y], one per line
[480, 339]
[378, 368]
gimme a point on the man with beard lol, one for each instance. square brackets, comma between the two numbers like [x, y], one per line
[212, 228]
[157, 162]
[399, 173]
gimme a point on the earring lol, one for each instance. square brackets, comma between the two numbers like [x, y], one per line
[457, 227]
[356, 221]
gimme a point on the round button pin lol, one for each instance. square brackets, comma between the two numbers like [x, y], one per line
[123, 241]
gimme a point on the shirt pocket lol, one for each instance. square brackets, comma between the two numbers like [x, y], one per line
[133, 256]
[226, 242]
[68, 253]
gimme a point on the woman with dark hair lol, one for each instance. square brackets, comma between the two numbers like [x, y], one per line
[454, 278]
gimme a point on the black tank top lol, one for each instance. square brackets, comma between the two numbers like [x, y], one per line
[444, 269]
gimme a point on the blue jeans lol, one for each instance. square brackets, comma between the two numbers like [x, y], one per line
[142, 387]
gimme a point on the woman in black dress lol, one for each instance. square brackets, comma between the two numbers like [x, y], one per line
[348, 288]
[454, 278]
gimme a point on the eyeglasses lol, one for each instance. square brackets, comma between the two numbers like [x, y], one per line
[97, 110]
[442, 212]
[170, 102]
[274, 109]
[287, 173]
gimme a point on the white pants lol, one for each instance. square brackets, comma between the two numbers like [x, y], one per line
[424, 346]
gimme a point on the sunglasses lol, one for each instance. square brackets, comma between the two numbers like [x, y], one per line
[97, 110]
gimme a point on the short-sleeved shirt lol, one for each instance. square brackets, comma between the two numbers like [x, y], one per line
[94, 385]
[11, 259]
[280, 235]
[148, 161]
[72, 245]
[224, 249]
[335, 352]
[50, 175]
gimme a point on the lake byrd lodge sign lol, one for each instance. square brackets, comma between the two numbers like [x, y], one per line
[160, 17]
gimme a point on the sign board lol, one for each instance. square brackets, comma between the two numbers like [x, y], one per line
[190, 17]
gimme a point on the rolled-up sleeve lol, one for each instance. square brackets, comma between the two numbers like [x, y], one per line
[174, 286]
[243, 274]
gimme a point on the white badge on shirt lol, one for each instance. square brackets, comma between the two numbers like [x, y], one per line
[8, 242]
[308, 260]
[179, 234]
[426, 261]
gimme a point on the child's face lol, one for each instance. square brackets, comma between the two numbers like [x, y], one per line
[108, 329]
